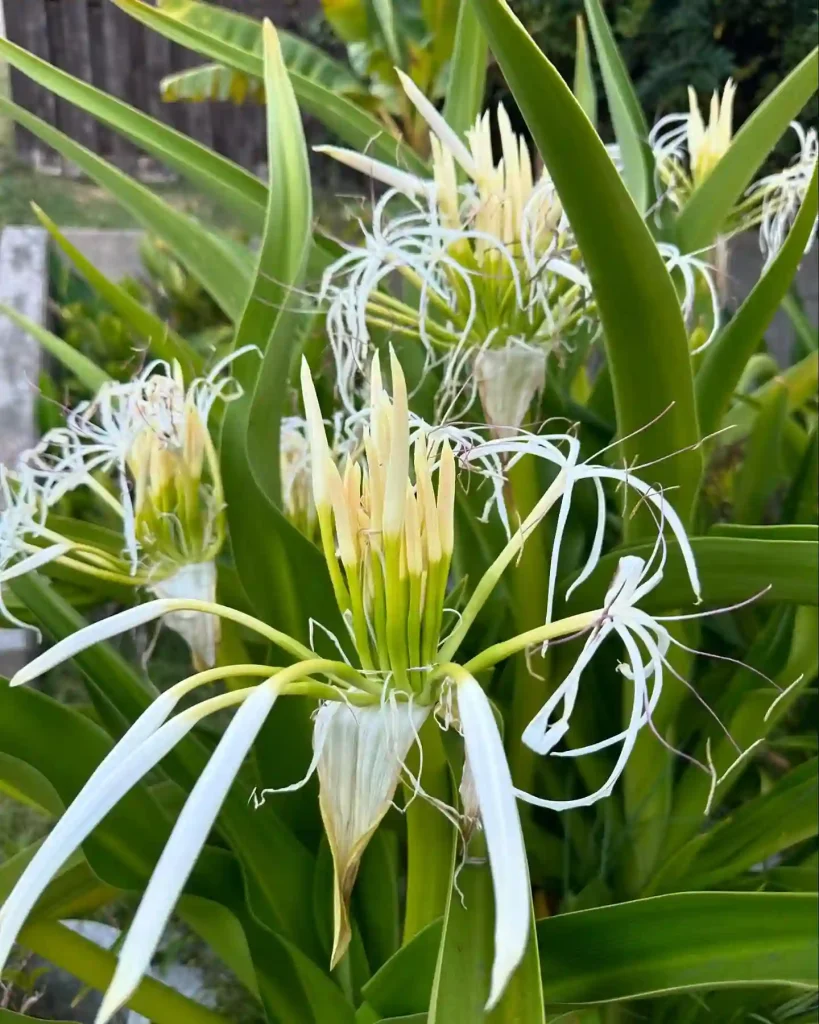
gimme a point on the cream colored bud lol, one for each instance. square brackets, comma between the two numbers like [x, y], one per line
[319, 449]
[426, 499]
[415, 554]
[398, 464]
[446, 499]
[345, 527]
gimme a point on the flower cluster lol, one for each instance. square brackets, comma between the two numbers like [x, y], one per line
[387, 527]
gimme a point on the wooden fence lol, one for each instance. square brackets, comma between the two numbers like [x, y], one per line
[95, 41]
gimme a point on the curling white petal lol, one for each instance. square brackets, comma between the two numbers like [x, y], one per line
[140, 750]
[182, 849]
[35, 561]
[504, 837]
[90, 635]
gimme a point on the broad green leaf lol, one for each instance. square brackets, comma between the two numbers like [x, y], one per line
[801, 504]
[585, 90]
[223, 933]
[750, 715]
[212, 261]
[441, 19]
[95, 966]
[732, 568]
[794, 879]
[726, 358]
[461, 984]
[807, 335]
[84, 369]
[229, 183]
[219, 34]
[630, 126]
[76, 892]
[212, 82]
[283, 574]
[785, 531]
[761, 471]
[706, 211]
[404, 984]
[28, 786]
[467, 71]
[800, 382]
[679, 942]
[274, 302]
[376, 898]
[646, 342]
[163, 342]
[787, 814]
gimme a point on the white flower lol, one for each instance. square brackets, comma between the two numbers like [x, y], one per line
[494, 261]
[782, 194]
[686, 150]
[199, 630]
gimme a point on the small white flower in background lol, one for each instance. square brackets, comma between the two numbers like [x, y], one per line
[686, 150]
[386, 523]
[783, 192]
[493, 260]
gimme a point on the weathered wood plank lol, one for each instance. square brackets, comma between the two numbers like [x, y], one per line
[119, 79]
[75, 57]
[27, 25]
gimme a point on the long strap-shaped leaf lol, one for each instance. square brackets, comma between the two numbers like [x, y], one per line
[645, 337]
[225, 180]
[709, 206]
[270, 553]
[184, 24]
[163, 342]
[725, 360]
[467, 71]
[214, 263]
[83, 368]
[630, 125]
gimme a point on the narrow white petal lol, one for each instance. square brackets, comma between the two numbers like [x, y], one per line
[35, 561]
[87, 637]
[183, 847]
[504, 837]
[449, 138]
[409, 184]
[140, 750]
[597, 542]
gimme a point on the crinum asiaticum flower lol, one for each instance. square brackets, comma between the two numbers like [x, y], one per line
[148, 440]
[686, 151]
[386, 521]
[494, 262]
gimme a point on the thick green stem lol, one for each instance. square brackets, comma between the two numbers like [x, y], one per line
[95, 967]
[430, 836]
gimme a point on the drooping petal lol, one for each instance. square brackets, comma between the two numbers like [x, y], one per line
[198, 629]
[145, 744]
[362, 751]
[508, 380]
[504, 836]
[88, 636]
[182, 849]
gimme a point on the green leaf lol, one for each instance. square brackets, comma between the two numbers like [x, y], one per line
[376, 898]
[725, 360]
[212, 82]
[9, 1017]
[85, 370]
[266, 547]
[404, 984]
[630, 126]
[441, 19]
[95, 966]
[787, 814]
[807, 335]
[800, 382]
[461, 984]
[646, 343]
[585, 90]
[679, 942]
[223, 36]
[76, 892]
[705, 212]
[28, 786]
[761, 471]
[211, 260]
[163, 342]
[229, 183]
[732, 568]
[223, 933]
[784, 531]
[467, 71]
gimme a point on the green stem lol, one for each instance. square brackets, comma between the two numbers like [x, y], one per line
[430, 836]
[95, 967]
